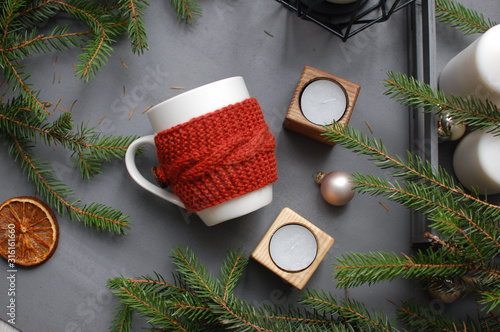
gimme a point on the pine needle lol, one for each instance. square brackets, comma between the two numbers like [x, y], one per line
[369, 127]
[384, 206]
[123, 63]
[57, 103]
[131, 112]
[73, 104]
[147, 109]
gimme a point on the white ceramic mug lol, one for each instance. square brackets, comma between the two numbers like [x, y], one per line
[181, 109]
[476, 162]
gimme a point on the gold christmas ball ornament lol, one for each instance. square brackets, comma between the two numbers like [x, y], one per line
[443, 296]
[449, 129]
[446, 291]
[336, 187]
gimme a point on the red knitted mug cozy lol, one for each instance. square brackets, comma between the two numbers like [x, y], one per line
[218, 156]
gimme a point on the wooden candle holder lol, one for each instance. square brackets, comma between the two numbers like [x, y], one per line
[297, 122]
[261, 252]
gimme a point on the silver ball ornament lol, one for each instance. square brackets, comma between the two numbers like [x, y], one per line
[449, 129]
[336, 187]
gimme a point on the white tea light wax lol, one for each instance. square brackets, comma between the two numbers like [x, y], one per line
[323, 101]
[476, 162]
[293, 247]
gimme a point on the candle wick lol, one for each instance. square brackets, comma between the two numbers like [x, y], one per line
[329, 100]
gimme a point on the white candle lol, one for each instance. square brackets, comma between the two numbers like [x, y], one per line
[476, 162]
[476, 70]
[323, 101]
[293, 247]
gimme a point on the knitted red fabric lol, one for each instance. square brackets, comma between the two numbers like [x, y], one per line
[218, 156]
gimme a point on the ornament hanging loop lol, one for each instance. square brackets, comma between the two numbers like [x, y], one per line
[318, 176]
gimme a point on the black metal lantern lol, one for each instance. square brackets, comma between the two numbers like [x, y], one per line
[345, 18]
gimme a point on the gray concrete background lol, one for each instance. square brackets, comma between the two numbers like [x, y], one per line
[68, 293]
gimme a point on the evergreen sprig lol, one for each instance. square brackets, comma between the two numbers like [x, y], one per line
[197, 301]
[358, 315]
[134, 11]
[420, 318]
[467, 20]
[24, 117]
[56, 193]
[474, 112]
[468, 226]
[187, 10]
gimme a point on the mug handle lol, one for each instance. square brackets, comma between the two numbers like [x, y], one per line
[141, 180]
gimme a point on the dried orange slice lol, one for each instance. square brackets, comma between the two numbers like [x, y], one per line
[29, 232]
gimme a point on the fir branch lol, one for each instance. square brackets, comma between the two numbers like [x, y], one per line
[353, 312]
[205, 286]
[439, 206]
[149, 305]
[90, 148]
[474, 112]
[450, 230]
[123, 319]
[6, 19]
[413, 170]
[187, 10]
[97, 49]
[23, 45]
[424, 189]
[462, 18]
[199, 279]
[55, 192]
[38, 11]
[420, 318]
[134, 10]
[195, 308]
[17, 79]
[491, 299]
[231, 271]
[356, 269]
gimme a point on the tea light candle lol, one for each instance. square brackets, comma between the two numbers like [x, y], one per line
[475, 161]
[476, 70]
[293, 247]
[323, 101]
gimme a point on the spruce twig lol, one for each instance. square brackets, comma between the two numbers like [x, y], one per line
[56, 193]
[187, 10]
[466, 223]
[458, 16]
[474, 112]
[136, 31]
[199, 302]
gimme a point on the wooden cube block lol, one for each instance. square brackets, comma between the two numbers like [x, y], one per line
[262, 252]
[295, 119]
